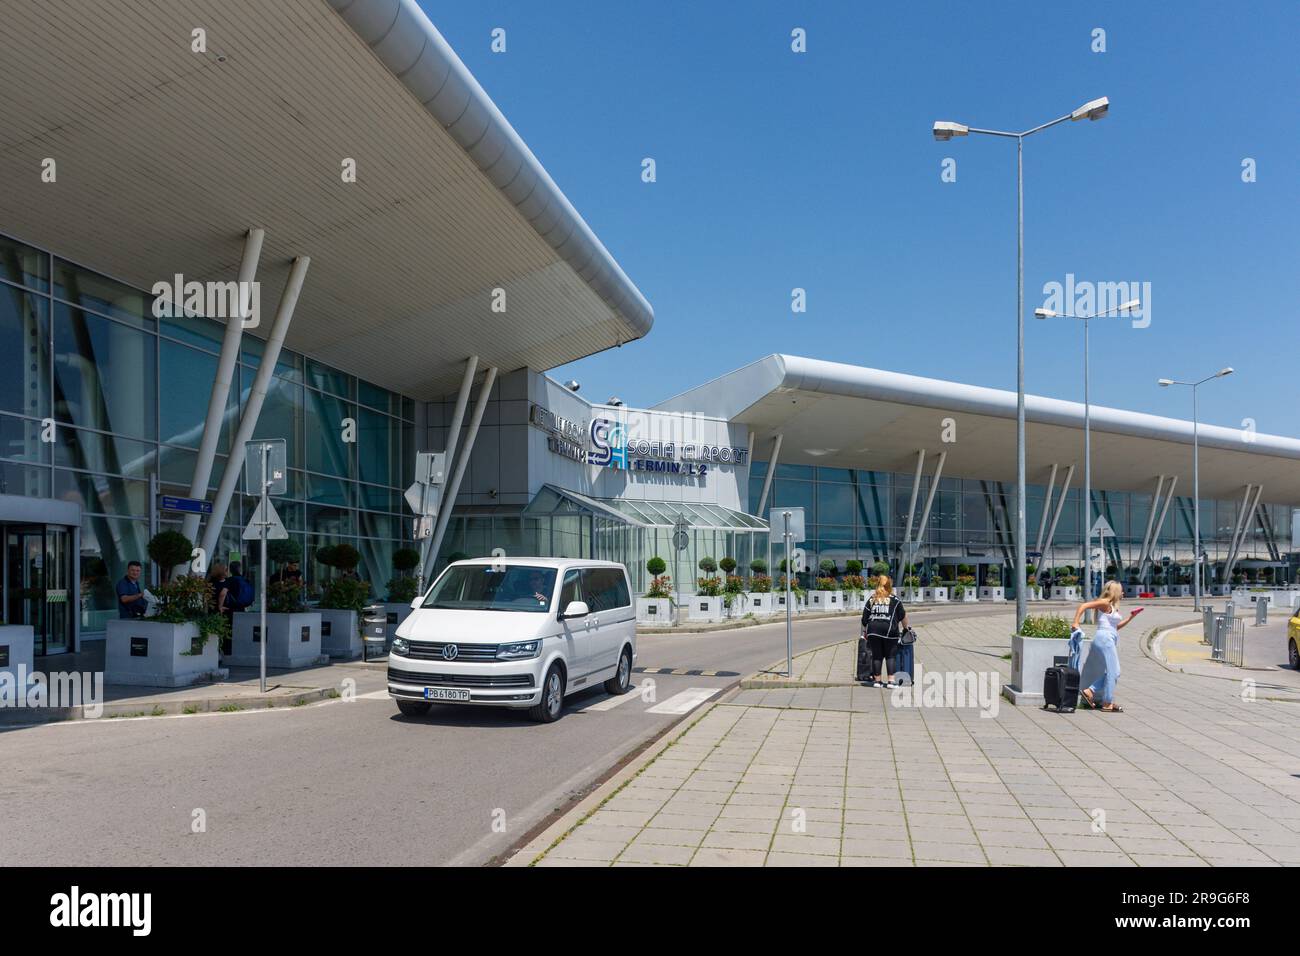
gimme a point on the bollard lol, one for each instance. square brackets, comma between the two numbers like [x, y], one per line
[1207, 624]
[1261, 612]
[1221, 624]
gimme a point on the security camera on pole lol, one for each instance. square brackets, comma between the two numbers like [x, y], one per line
[266, 472]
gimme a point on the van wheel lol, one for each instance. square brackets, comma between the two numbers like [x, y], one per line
[413, 708]
[549, 707]
[622, 680]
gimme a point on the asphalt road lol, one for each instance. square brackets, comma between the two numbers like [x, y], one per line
[350, 782]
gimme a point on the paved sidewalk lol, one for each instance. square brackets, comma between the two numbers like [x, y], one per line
[1191, 774]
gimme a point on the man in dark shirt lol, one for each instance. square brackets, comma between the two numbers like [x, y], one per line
[290, 572]
[130, 596]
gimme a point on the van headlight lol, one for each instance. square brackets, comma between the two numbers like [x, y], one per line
[399, 647]
[519, 652]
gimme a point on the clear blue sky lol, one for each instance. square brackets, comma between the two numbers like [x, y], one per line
[818, 170]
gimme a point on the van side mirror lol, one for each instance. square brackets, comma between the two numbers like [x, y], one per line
[575, 609]
[415, 604]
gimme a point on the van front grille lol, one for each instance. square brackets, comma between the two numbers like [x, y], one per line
[433, 651]
[399, 676]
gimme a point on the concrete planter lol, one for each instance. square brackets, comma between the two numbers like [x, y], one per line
[969, 594]
[17, 651]
[293, 640]
[1030, 658]
[154, 654]
[340, 634]
[1220, 590]
[1133, 590]
[738, 607]
[654, 610]
[993, 594]
[1180, 590]
[939, 594]
[854, 600]
[760, 603]
[1160, 590]
[701, 608]
[911, 596]
[397, 613]
[1069, 592]
[1033, 593]
[825, 601]
[778, 603]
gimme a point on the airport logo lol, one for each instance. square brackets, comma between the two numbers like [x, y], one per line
[609, 438]
[213, 300]
[76, 909]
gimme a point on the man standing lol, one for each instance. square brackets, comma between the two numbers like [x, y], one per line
[130, 596]
[290, 572]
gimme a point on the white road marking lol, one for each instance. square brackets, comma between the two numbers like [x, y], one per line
[374, 695]
[609, 703]
[684, 702]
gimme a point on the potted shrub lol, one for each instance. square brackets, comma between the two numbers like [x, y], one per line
[1043, 640]
[778, 593]
[824, 595]
[402, 588]
[1033, 592]
[293, 631]
[992, 589]
[177, 645]
[759, 596]
[706, 603]
[656, 607]
[853, 586]
[342, 599]
[1132, 583]
[734, 596]
[1065, 585]
[935, 589]
[964, 588]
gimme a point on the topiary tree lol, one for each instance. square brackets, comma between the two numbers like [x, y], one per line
[728, 565]
[167, 549]
[879, 568]
[828, 567]
[758, 566]
[656, 566]
[708, 565]
[405, 560]
[284, 551]
[853, 566]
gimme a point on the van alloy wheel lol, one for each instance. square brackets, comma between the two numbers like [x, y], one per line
[622, 680]
[552, 702]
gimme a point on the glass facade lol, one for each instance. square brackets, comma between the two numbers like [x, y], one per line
[128, 395]
[863, 515]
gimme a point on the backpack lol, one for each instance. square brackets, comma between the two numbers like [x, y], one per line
[241, 592]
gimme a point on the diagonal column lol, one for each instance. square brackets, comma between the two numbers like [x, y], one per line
[220, 393]
[256, 397]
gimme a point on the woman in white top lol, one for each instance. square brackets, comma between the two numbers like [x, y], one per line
[1109, 622]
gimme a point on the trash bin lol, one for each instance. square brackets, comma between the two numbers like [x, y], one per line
[374, 620]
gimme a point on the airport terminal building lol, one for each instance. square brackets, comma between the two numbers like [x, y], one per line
[419, 271]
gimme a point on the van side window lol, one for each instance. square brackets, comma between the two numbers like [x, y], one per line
[571, 591]
[606, 589]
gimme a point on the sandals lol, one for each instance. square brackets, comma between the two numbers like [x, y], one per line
[1112, 709]
[1088, 700]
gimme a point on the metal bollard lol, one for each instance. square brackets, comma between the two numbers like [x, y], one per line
[1207, 624]
[1261, 612]
[1221, 624]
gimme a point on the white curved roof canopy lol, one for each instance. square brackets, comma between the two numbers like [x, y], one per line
[850, 416]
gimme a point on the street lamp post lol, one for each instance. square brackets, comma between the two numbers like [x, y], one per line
[945, 130]
[1087, 430]
[1196, 471]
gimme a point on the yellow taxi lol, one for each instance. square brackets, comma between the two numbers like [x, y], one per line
[1293, 639]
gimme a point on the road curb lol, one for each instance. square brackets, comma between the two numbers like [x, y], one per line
[541, 843]
[183, 707]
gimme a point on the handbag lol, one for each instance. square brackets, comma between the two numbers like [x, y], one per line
[907, 636]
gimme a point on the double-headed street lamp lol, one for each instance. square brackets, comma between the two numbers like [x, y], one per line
[1087, 430]
[1196, 470]
[943, 131]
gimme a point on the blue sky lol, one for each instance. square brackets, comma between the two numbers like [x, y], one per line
[778, 170]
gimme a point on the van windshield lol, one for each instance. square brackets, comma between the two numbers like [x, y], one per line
[481, 587]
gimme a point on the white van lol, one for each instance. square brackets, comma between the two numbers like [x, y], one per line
[515, 632]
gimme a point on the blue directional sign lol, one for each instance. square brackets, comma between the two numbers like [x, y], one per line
[188, 505]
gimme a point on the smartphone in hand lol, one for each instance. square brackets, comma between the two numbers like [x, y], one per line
[1137, 611]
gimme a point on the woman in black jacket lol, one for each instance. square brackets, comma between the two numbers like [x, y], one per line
[883, 620]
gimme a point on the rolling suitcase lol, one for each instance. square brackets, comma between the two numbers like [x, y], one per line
[866, 671]
[1061, 688]
[904, 660]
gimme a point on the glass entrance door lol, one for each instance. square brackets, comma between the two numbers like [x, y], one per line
[37, 577]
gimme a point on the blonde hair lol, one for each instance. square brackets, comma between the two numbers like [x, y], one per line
[1112, 593]
[884, 588]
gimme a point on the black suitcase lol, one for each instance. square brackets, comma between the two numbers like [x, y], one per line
[1061, 688]
[866, 665]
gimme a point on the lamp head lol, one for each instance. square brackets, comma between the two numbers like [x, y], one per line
[1092, 110]
[1045, 314]
[1165, 382]
[1130, 304]
[1223, 372]
[944, 130]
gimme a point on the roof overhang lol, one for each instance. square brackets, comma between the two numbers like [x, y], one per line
[165, 157]
[848, 416]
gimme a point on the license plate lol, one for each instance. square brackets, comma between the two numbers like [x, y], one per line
[445, 693]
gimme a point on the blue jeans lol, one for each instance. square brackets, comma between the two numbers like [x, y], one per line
[1104, 643]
